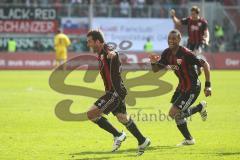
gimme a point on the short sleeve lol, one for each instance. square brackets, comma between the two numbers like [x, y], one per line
[193, 59]
[204, 25]
[185, 21]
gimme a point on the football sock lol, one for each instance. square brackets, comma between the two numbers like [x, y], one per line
[131, 126]
[103, 123]
[192, 110]
[182, 126]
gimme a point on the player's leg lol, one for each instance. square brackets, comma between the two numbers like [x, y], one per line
[131, 127]
[175, 113]
[180, 110]
[95, 115]
[63, 64]
[56, 63]
[106, 104]
[64, 59]
[121, 114]
[200, 108]
[61, 57]
[103, 123]
[57, 58]
[178, 103]
[143, 142]
[118, 141]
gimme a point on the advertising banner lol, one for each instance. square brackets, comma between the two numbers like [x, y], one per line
[29, 43]
[130, 61]
[226, 61]
[27, 13]
[28, 26]
[28, 20]
[135, 30]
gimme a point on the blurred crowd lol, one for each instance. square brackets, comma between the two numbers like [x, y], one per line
[116, 8]
[111, 2]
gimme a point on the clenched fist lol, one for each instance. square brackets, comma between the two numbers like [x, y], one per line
[172, 12]
[208, 91]
[154, 58]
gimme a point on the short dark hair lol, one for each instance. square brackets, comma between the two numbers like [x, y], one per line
[96, 35]
[59, 30]
[195, 9]
[177, 32]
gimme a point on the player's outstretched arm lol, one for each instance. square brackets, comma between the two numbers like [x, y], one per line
[174, 18]
[207, 89]
[154, 60]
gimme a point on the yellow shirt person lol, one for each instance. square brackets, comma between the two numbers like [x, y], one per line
[61, 43]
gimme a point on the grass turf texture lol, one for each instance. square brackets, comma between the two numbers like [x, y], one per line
[30, 129]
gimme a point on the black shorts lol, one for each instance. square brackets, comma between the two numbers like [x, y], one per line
[183, 100]
[194, 47]
[197, 47]
[111, 102]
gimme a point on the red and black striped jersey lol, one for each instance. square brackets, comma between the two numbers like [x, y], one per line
[196, 29]
[110, 70]
[182, 63]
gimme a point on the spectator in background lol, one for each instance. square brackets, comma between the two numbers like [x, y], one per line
[115, 2]
[148, 46]
[27, 3]
[101, 8]
[140, 8]
[218, 31]
[58, 6]
[11, 45]
[76, 1]
[32, 3]
[162, 12]
[168, 4]
[149, 2]
[219, 38]
[124, 8]
[159, 11]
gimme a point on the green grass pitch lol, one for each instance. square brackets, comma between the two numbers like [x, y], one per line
[29, 128]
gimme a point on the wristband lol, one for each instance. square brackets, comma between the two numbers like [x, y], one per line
[207, 84]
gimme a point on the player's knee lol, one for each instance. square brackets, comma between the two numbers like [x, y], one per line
[122, 118]
[180, 121]
[94, 113]
[171, 114]
[128, 123]
[95, 120]
[174, 112]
